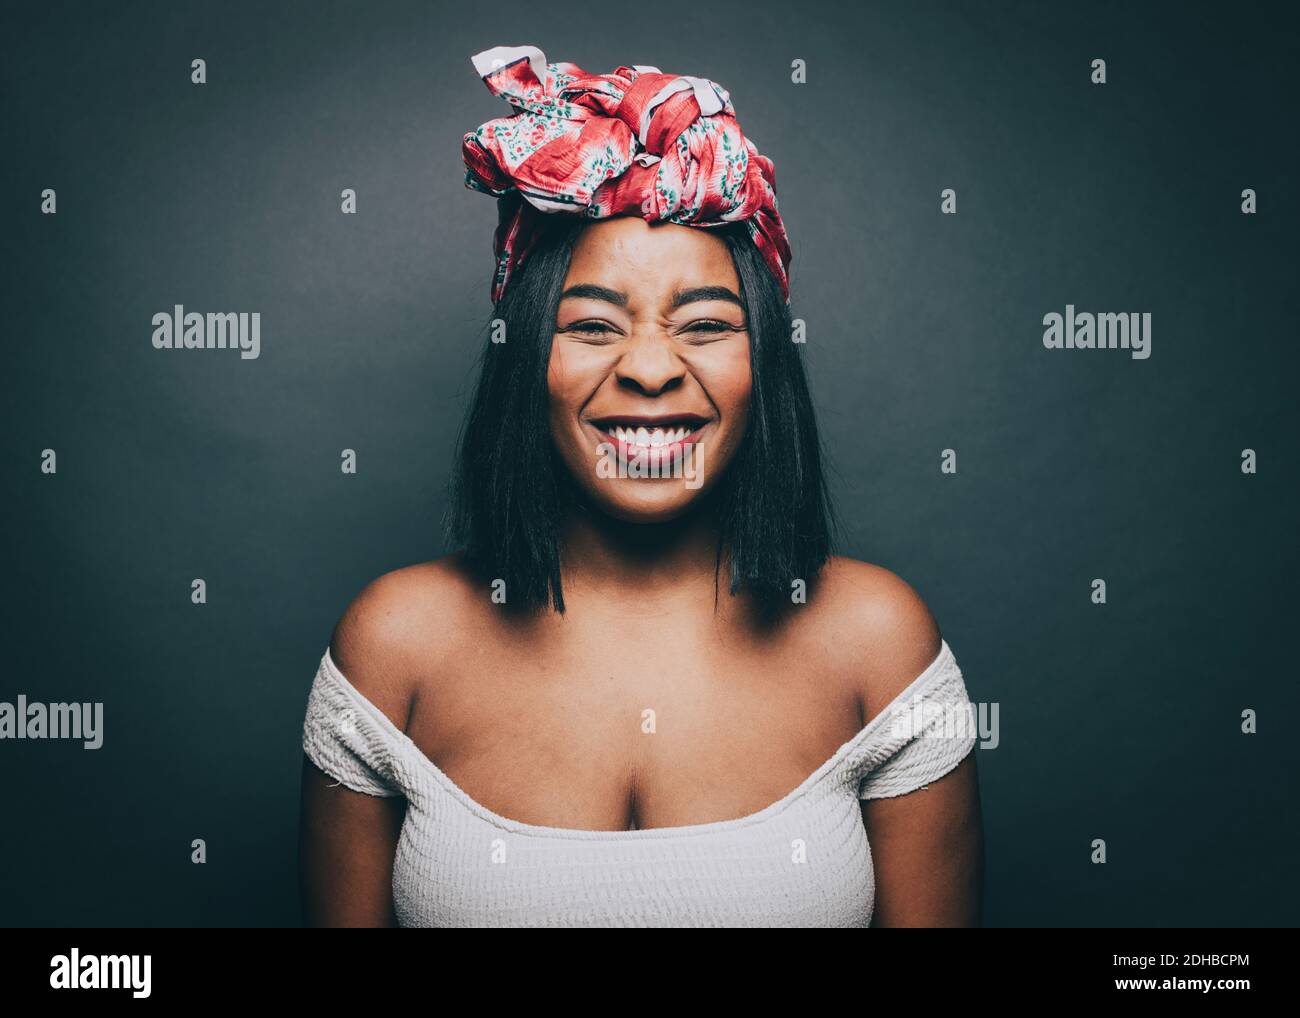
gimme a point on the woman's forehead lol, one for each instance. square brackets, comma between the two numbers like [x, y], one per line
[628, 253]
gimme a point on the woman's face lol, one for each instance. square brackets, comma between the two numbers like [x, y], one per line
[649, 374]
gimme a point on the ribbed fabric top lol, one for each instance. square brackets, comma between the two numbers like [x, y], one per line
[802, 861]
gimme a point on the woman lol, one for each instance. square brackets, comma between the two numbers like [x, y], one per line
[642, 694]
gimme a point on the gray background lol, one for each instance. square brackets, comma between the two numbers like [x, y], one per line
[1118, 722]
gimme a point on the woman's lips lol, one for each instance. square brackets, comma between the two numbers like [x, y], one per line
[650, 446]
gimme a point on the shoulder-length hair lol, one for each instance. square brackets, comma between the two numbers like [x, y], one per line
[510, 490]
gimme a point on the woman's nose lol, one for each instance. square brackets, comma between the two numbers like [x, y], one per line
[650, 364]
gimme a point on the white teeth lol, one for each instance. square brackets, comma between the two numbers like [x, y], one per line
[648, 439]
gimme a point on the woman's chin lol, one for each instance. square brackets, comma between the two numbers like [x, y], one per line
[646, 501]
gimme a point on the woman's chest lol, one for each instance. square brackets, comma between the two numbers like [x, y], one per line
[805, 863]
[631, 737]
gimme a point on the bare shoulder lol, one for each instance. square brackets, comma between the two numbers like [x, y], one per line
[881, 631]
[402, 627]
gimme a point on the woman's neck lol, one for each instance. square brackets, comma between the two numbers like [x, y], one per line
[671, 563]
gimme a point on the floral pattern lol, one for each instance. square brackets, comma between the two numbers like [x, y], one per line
[636, 141]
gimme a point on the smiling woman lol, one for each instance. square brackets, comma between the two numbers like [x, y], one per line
[666, 347]
[570, 723]
[616, 330]
[667, 443]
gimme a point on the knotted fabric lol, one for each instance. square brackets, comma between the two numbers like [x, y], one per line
[666, 147]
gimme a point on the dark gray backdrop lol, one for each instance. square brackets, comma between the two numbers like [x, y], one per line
[1119, 722]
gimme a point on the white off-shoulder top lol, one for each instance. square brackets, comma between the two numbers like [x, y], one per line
[802, 861]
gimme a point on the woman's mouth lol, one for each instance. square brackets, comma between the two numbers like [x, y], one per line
[652, 441]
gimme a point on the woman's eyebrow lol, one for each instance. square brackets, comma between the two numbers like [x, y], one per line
[695, 293]
[594, 292]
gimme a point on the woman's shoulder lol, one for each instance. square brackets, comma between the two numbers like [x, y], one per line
[402, 627]
[882, 633]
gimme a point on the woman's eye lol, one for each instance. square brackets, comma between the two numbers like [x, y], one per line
[590, 328]
[705, 326]
[710, 325]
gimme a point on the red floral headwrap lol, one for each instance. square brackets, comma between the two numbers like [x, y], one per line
[663, 146]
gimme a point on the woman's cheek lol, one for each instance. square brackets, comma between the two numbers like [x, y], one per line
[555, 371]
[731, 390]
[733, 404]
[560, 383]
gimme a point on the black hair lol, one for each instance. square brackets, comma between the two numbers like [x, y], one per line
[510, 491]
